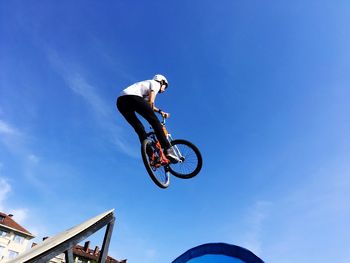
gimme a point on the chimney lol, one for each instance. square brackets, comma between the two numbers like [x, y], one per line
[96, 251]
[86, 246]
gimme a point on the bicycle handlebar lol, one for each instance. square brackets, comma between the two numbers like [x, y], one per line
[163, 119]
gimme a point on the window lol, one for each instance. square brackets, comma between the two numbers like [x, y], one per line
[2, 218]
[12, 254]
[82, 260]
[18, 239]
[3, 233]
[1, 250]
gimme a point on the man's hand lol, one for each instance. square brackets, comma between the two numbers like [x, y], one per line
[165, 114]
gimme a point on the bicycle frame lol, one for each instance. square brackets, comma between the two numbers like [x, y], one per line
[185, 160]
[169, 138]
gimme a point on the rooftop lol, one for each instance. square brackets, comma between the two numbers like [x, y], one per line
[7, 222]
[93, 254]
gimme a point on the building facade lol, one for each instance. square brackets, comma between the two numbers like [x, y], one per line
[14, 238]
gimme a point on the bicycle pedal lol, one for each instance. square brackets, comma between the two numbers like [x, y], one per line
[155, 163]
[164, 161]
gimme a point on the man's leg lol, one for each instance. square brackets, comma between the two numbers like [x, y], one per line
[138, 104]
[126, 107]
[145, 110]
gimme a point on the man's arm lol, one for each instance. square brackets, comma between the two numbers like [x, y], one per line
[152, 97]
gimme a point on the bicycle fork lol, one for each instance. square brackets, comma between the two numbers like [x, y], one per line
[176, 149]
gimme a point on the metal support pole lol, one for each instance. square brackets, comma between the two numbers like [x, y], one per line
[69, 255]
[106, 241]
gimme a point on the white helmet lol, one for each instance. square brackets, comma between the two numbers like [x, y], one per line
[161, 79]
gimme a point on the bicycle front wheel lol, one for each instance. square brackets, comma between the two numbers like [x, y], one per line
[191, 159]
[159, 174]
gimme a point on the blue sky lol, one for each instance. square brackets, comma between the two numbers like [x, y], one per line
[262, 88]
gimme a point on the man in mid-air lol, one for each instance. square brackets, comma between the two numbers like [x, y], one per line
[139, 98]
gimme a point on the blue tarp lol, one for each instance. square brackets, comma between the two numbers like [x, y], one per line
[232, 251]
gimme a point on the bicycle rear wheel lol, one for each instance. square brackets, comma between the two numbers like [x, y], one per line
[191, 159]
[159, 175]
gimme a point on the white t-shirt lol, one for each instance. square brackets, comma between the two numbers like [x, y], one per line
[142, 89]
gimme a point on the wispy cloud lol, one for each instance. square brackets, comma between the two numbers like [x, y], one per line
[14, 139]
[81, 87]
[105, 113]
[252, 238]
[7, 129]
[20, 214]
[10, 136]
[33, 158]
[318, 207]
[5, 189]
[17, 143]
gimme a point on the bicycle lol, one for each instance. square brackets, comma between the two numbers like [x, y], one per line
[159, 167]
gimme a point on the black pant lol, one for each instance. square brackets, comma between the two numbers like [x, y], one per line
[128, 105]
